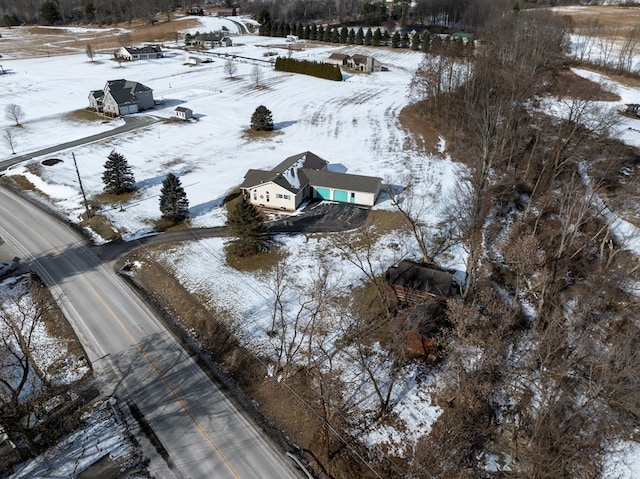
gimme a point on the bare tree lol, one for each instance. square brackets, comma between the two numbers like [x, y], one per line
[9, 136]
[230, 68]
[256, 74]
[89, 51]
[14, 113]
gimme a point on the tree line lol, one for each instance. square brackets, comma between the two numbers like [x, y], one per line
[327, 71]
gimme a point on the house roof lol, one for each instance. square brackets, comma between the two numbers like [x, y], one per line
[422, 277]
[144, 49]
[343, 181]
[359, 58]
[258, 177]
[301, 160]
[123, 91]
[338, 56]
[97, 94]
[182, 108]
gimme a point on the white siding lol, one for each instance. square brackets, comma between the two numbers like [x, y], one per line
[270, 195]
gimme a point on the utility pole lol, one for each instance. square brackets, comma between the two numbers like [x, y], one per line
[86, 204]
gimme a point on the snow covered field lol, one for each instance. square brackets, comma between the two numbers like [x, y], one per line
[353, 123]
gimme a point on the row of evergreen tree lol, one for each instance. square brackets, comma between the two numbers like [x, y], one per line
[344, 35]
[327, 71]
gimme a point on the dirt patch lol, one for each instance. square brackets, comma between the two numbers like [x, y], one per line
[102, 227]
[424, 133]
[567, 84]
[612, 16]
[253, 135]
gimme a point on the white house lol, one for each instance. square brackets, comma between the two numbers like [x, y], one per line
[139, 53]
[304, 176]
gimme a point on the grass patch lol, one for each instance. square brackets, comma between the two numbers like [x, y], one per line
[164, 224]
[86, 116]
[253, 135]
[259, 262]
[101, 226]
[113, 199]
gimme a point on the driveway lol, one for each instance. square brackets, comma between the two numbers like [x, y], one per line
[131, 123]
[323, 217]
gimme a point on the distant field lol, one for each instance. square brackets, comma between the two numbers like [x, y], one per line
[616, 17]
[47, 41]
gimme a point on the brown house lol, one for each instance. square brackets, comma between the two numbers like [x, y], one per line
[414, 283]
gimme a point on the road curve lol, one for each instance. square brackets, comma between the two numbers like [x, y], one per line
[136, 359]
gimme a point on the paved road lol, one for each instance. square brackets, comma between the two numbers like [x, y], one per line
[135, 358]
[131, 123]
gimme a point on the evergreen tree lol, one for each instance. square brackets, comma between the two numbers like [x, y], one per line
[352, 37]
[320, 33]
[313, 32]
[426, 42]
[335, 36]
[360, 36]
[344, 35]
[327, 35]
[386, 38]
[249, 232]
[174, 205]
[415, 41]
[406, 42]
[368, 37]
[117, 176]
[261, 119]
[396, 40]
[377, 37]
[50, 12]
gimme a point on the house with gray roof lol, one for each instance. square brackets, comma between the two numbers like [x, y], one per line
[146, 52]
[121, 97]
[305, 176]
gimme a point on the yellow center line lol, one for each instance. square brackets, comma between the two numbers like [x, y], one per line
[164, 380]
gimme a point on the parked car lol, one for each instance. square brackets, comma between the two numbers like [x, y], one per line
[6, 268]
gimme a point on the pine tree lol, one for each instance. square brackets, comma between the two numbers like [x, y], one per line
[117, 177]
[360, 36]
[406, 41]
[344, 35]
[415, 41]
[249, 232]
[351, 37]
[261, 119]
[50, 12]
[396, 40]
[368, 37]
[174, 205]
[377, 37]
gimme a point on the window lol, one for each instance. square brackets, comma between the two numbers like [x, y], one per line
[353, 195]
[267, 195]
[287, 197]
[255, 195]
[279, 196]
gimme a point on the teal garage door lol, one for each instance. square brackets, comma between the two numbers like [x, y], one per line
[341, 195]
[323, 193]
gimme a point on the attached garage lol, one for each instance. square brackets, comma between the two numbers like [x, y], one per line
[343, 187]
[128, 109]
[323, 193]
[341, 195]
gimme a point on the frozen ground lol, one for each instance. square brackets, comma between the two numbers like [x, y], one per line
[353, 123]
